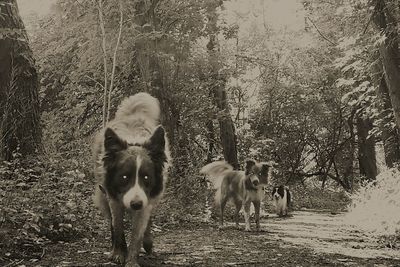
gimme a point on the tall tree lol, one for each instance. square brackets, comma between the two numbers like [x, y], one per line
[19, 102]
[390, 136]
[389, 52]
[218, 90]
[366, 148]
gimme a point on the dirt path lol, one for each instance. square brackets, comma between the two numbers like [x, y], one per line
[328, 233]
[305, 239]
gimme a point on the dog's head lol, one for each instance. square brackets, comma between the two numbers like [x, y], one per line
[256, 173]
[278, 192]
[134, 173]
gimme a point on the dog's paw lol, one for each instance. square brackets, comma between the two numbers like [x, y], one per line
[148, 246]
[117, 256]
[132, 264]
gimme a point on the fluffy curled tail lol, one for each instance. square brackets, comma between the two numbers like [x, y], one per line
[216, 172]
[139, 104]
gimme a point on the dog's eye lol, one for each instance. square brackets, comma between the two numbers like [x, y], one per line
[146, 177]
[124, 177]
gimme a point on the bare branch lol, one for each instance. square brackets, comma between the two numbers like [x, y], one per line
[114, 63]
[320, 33]
[94, 80]
[103, 36]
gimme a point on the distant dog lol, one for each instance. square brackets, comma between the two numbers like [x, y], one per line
[243, 187]
[282, 199]
[131, 161]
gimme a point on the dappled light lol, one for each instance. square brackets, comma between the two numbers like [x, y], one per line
[375, 206]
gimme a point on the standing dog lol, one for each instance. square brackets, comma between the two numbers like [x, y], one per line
[243, 187]
[131, 161]
[282, 198]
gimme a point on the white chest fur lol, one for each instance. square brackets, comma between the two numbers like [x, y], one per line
[280, 203]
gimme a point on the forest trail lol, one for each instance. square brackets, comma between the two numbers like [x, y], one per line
[307, 238]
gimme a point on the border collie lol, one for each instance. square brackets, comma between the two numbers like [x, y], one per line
[243, 187]
[282, 198]
[131, 163]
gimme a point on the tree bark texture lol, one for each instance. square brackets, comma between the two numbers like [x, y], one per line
[390, 135]
[218, 91]
[210, 140]
[389, 52]
[19, 102]
[366, 149]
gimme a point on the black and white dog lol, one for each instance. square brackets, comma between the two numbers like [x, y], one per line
[131, 163]
[281, 198]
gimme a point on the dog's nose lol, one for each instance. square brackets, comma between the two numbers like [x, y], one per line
[136, 205]
[255, 182]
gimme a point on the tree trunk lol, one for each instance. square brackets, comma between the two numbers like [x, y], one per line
[211, 140]
[390, 136]
[366, 149]
[155, 76]
[19, 102]
[226, 127]
[348, 174]
[389, 52]
[218, 91]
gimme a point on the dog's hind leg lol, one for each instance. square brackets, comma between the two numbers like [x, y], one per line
[257, 206]
[148, 239]
[238, 206]
[224, 200]
[119, 248]
[247, 215]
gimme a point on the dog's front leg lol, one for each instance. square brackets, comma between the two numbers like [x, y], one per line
[247, 215]
[119, 248]
[257, 214]
[140, 221]
[148, 239]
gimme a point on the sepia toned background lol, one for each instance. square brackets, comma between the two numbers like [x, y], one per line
[310, 86]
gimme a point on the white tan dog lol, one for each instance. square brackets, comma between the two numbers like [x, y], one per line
[243, 187]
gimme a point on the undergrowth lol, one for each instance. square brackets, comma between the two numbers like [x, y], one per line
[375, 207]
[49, 199]
[42, 201]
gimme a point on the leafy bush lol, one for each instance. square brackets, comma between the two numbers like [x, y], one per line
[42, 201]
[375, 207]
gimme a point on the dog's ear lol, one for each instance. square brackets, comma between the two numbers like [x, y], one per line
[265, 168]
[249, 164]
[249, 185]
[156, 144]
[103, 190]
[112, 143]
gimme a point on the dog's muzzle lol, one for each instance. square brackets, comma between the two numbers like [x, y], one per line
[254, 180]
